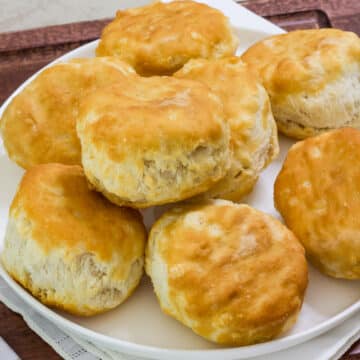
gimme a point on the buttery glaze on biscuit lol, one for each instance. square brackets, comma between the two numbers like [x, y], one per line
[231, 273]
[312, 77]
[68, 245]
[38, 126]
[160, 38]
[318, 194]
[155, 141]
[253, 132]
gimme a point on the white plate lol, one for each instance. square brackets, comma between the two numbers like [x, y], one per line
[138, 327]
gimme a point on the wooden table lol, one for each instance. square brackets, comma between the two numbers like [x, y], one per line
[24, 52]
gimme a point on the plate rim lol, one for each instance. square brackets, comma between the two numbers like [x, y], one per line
[145, 350]
[150, 351]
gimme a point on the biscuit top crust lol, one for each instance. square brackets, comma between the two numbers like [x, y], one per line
[159, 38]
[318, 194]
[38, 126]
[246, 105]
[303, 60]
[55, 208]
[231, 265]
[234, 83]
[156, 114]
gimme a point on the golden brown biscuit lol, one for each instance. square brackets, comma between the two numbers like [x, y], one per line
[312, 77]
[68, 245]
[233, 274]
[155, 141]
[38, 126]
[318, 194]
[160, 38]
[253, 133]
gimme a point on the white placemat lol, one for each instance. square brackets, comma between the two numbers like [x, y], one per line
[329, 346]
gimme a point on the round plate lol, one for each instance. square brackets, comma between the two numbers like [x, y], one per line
[138, 327]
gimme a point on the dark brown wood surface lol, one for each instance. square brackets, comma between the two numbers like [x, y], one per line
[24, 341]
[305, 14]
[24, 52]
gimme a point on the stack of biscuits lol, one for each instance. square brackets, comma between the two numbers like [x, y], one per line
[167, 114]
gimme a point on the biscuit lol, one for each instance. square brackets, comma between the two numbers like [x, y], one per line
[160, 38]
[313, 79]
[253, 132]
[317, 193]
[233, 274]
[69, 246]
[38, 126]
[156, 141]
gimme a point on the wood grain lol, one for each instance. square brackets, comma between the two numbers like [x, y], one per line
[52, 35]
[342, 14]
[23, 53]
[24, 341]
